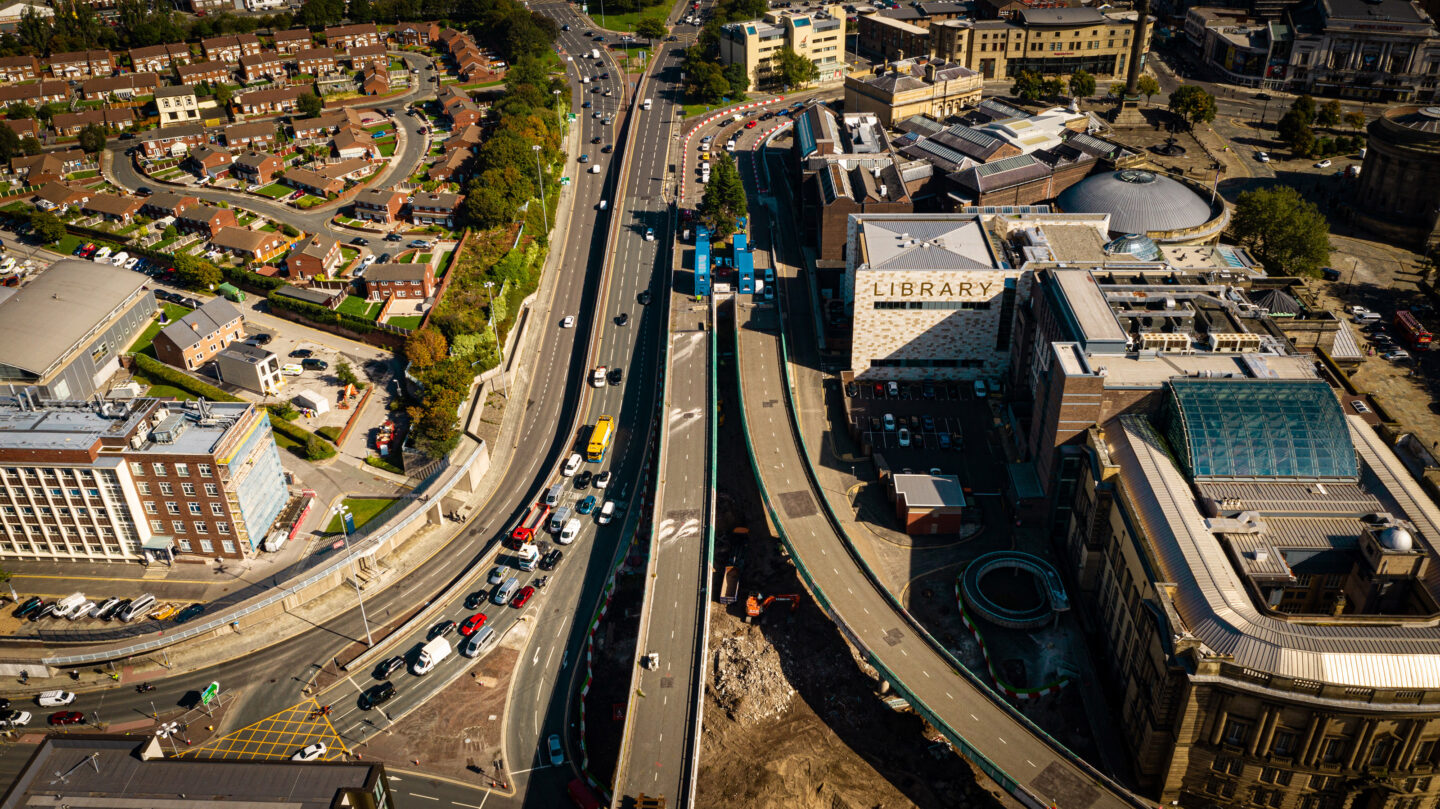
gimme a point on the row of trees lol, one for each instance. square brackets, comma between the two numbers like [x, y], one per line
[75, 27]
[1296, 128]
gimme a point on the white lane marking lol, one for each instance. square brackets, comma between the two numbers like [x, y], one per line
[426, 797]
[974, 717]
[1002, 740]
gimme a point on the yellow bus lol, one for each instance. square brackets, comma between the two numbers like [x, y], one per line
[600, 439]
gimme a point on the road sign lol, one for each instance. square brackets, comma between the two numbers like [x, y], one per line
[208, 695]
[564, 180]
[571, 117]
[349, 518]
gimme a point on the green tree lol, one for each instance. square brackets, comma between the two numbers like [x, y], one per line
[310, 104]
[1355, 120]
[1082, 84]
[315, 449]
[197, 273]
[19, 112]
[793, 70]
[724, 199]
[1283, 229]
[92, 138]
[1294, 131]
[737, 81]
[1147, 86]
[1305, 106]
[1028, 86]
[170, 232]
[30, 146]
[47, 226]
[425, 347]
[652, 28]
[9, 143]
[1330, 114]
[34, 30]
[346, 374]
[224, 95]
[1193, 105]
[361, 11]
[320, 13]
[289, 230]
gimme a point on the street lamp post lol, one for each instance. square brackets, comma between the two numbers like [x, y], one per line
[540, 178]
[343, 511]
[490, 291]
[559, 122]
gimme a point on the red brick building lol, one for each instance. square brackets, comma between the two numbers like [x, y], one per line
[196, 338]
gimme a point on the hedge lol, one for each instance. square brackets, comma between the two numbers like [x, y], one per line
[241, 277]
[321, 314]
[302, 436]
[157, 370]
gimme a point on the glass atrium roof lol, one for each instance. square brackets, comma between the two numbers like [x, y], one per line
[1257, 429]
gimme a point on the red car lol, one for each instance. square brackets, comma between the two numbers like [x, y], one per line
[67, 718]
[750, 124]
[522, 597]
[472, 623]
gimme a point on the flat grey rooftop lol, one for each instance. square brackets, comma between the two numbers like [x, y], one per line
[58, 310]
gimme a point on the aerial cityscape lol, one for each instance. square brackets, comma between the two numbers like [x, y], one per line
[656, 404]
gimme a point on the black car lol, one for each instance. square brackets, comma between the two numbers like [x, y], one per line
[117, 609]
[616, 376]
[189, 612]
[623, 318]
[377, 695]
[261, 338]
[475, 599]
[645, 298]
[301, 353]
[582, 480]
[26, 606]
[144, 191]
[312, 364]
[360, 241]
[394, 237]
[605, 75]
[389, 667]
[551, 560]
[441, 629]
[609, 147]
[596, 139]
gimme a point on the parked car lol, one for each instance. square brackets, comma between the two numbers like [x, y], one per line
[557, 755]
[67, 718]
[189, 612]
[301, 353]
[1323, 164]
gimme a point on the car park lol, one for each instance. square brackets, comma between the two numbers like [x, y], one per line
[889, 420]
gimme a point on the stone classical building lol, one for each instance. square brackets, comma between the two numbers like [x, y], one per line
[899, 90]
[1399, 196]
[1381, 50]
[1048, 41]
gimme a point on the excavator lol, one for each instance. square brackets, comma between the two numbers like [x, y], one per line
[757, 603]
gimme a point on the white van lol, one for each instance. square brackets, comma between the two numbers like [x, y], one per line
[572, 465]
[68, 605]
[137, 608]
[1368, 317]
[559, 518]
[431, 654]
[569, 532]
[646, 105]
[292, 369]
[479, 643]
[505, 591]
[606, 513]
[552, 495]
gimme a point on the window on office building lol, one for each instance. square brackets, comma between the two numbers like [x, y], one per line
[1284, 743]
[166, 489]
[1235, 732]
[173, 508]
[158, 526]
[204, 470]
[150, 507]
[217, 509]
[227, 546]
[211, 490]
[1332, 750]
[194, 508]
[184, 545]
[159, 469]
[222, 527]
[206, 546]
[201, 527]
[144, 487]
[178, 526]
[137, 468]
[183, 470]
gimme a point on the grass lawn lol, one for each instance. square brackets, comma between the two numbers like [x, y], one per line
[142, 343]
[386, 146]
[83, 175]
[408, 258]
[625, 22]
[308, 201]
[269, 227]
[482, 84]
[363, 509]
[701, 109]
[348, 254]
[359, 307]
[442, 265]
[274, 191]
[23, 207]
[69, 243]
[406, 321]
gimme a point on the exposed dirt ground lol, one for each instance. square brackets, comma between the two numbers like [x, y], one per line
[792, 720]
